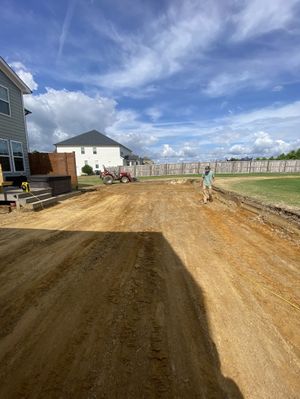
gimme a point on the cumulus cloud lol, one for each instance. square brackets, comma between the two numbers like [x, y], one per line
[239, 149]
[24, 74]
[168, 151]
[59, 114]
[183, 152]
[263, 145]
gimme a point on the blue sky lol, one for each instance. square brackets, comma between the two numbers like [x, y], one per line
[175, 80]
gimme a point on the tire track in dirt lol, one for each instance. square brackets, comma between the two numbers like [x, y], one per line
[140, 297]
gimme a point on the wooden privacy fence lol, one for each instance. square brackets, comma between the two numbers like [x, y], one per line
[53, 163]
[289, 166]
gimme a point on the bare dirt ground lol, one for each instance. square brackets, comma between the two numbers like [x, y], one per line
[140, 291]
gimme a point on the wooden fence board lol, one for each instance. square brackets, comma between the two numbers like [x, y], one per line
[63, 163]
[238, 167]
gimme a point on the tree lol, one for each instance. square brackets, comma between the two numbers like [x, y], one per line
[87, 169]
[294, 154]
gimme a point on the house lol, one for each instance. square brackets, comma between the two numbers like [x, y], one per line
[13, 132]
[95, 149]
[132, 159]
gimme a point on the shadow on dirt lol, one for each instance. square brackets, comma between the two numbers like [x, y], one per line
[103, 315]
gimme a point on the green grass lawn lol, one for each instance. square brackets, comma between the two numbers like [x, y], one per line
[279, 191]
[247, 175]
[84, 181]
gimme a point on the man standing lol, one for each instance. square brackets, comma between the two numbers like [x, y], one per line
[207, 180]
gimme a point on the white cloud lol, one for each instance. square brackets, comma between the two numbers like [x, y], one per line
[226, 83]
[186, 152]
[184, 37]
[239, 149]
[154, 113]
[269, 115]
[66, 27]
[185, 31]
[263, 144]
[24, 74]
[59, 114]
[277, 88]
[168, 151]
[255, 73]
[263, 16]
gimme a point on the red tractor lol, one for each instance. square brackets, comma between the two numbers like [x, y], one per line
[108, 176]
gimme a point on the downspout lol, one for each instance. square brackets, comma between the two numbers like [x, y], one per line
[26, 132]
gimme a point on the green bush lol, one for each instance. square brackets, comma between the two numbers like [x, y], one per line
[87, 169]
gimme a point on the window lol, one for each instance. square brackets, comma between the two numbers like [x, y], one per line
[4, 101]
[18, 156]
[4, 156]
[86, 162]
[97, 165]
[94, 150]
[82, 150]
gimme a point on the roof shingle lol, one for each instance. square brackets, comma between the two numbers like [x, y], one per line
[91, 138]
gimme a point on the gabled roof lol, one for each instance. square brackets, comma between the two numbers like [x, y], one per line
[91, 138]
[11, 74]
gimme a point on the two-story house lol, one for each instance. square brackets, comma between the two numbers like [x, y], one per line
[95, 149]
[13, 132]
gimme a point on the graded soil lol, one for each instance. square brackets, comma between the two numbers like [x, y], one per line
[142, 291]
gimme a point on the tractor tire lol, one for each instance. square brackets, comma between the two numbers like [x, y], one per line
[124, 179]
[108, 180]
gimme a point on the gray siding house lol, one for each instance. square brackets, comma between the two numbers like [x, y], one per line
[13, 132]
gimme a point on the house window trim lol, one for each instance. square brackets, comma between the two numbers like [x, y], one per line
[8, 156]
[13, 156]
[8, 96]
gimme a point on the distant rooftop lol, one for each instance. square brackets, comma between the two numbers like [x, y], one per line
[90, 139]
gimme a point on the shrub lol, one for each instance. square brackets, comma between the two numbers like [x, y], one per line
[87, 169]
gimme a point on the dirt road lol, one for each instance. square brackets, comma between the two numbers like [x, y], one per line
[140, 291]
